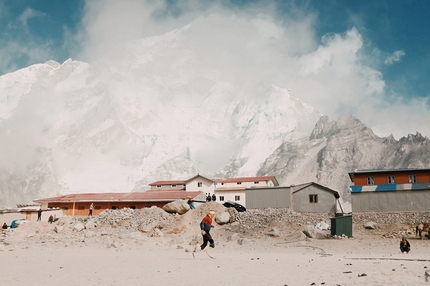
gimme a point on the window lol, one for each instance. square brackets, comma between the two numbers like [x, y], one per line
[81, 207]
[412, 179]
[237, 198]
[221, 198]
[132, 207]
[222, 184]
[114, 207]
[65, 208]
[173, 186]
[199, 184]
[239, 183]
[391, 179]
[313, 199]
[256, 183]
[370, 180]
[158, 186]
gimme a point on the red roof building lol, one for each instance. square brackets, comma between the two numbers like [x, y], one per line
[79, 204]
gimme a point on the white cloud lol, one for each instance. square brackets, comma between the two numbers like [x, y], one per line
[334, 74]
[395, 57]
[28, 14]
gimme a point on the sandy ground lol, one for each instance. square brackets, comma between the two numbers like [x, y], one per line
[362, 260]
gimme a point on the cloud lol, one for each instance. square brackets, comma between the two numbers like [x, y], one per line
[29, 14]
[395, 57]
[335, 73]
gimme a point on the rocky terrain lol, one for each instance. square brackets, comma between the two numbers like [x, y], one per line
[116, 228]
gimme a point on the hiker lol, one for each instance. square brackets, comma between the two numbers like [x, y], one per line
[39, 214]
[404, 245]
[91, 209]
[205, 227]
[209, 198]
[190, 202]
[51, 219]
[213, 197]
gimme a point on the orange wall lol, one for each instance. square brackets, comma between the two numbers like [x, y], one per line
[99, 207]
[382, 177]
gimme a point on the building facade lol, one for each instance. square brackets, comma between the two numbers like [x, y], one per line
[79, 204]
[309, 197]
[233, 189]
[390, 190]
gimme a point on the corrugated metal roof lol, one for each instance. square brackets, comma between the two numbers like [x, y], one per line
[246, 179]
[176, 182]
[230, 189]
[148, 196]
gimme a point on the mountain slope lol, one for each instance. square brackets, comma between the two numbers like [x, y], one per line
[150, 113]
[335, 148]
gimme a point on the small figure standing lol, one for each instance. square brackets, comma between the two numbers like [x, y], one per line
[404, 245]
[209, 198]
[205, 227]
[91, 209]
[39, 214]
[51, 219]
[190, 202]
[213, 198]
[4, 226]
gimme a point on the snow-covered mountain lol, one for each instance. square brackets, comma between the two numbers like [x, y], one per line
[154, 110]
[150, 114]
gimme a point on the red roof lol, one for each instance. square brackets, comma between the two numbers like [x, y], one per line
[177, 182]
[246, 179]
[148, 196]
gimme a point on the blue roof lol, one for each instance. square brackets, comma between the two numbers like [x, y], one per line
[391, 188]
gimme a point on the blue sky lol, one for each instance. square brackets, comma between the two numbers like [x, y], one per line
[389, 39]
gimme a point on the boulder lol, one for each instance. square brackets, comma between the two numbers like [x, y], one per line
[312, 232]
[58, 228]
[273, 232]
[370, 225]
[178, 206]
[79, 226]
[323, 226]
[222, 218]
[90, 224]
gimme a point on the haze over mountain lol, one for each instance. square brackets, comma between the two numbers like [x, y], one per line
[151, 113]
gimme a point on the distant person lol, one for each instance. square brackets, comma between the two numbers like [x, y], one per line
[91, 209]
[205, 227]
[4, 226]
[213, 197]
[39, 214]
[209, 198]
[190, 202]
[51, 219]
[404, 245]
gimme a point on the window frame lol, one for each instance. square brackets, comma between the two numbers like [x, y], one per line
[237, 198]
[412, 178]
[313, 198]
[391, 179]
[370, 180]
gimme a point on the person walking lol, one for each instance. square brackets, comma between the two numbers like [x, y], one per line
[190, 202]
[213, 198]
[91, 209]
[39, 214]
[205, 227]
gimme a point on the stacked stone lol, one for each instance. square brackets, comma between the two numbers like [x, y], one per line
[392, 217]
